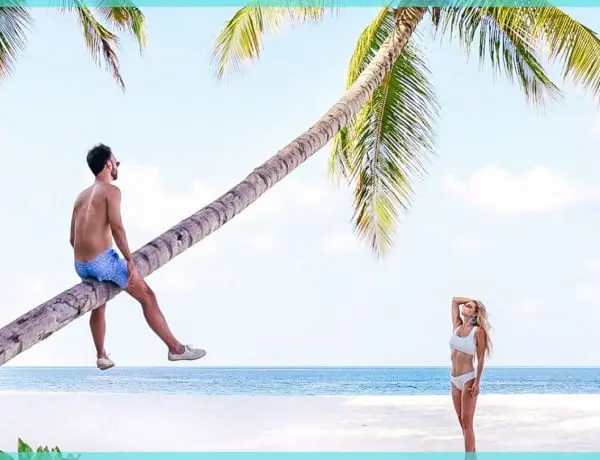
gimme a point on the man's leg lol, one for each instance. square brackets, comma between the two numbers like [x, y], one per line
[98, 327]
[141, 292]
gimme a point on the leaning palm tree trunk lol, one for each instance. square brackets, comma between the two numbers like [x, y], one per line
[47, 318]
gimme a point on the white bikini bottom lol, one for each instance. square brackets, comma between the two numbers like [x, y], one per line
[460, 380]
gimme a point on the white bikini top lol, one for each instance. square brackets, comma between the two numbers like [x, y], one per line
[464, 344]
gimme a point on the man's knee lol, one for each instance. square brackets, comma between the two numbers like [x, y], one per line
[98, 312]
[141, 292]
[150, 291]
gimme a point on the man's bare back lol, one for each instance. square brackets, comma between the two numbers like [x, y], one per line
[91, 228]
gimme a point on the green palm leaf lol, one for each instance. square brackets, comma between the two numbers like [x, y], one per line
[101, 42]
[370, 38]
[504, 40]
[128, 18]
[388, 145]
[242, 36]
[570, 43]
[526, 30]
[14, 22]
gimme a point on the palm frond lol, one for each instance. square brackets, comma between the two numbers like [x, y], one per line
[101, 42]
[368, 42]
[573, 45]
[242, 36]
[505, 41]
[127, 18]
[389, 143]
[14, 23]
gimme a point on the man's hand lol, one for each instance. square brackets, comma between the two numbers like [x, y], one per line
[475, 389]
[134, 276]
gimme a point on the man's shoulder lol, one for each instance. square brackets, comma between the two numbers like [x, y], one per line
[99, 191]
[81, 195]
[111, 190]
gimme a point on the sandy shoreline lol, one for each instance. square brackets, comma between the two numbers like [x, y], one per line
[106, 422]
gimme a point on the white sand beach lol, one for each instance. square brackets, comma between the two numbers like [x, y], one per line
[96, 422]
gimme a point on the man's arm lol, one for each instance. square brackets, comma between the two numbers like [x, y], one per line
[113, 200]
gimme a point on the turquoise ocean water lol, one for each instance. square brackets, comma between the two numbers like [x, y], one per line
[293, 381]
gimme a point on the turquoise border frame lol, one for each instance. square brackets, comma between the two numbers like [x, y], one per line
[292, 3]
[312, 455]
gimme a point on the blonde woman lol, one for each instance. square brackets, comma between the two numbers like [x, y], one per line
[470, 343]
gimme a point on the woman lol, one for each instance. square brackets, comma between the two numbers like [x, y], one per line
[470, 342]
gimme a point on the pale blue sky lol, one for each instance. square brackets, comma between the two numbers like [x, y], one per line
[509, 212]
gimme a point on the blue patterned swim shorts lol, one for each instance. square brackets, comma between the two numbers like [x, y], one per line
[108, 266]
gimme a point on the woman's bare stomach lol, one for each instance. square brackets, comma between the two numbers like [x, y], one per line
[462, 363]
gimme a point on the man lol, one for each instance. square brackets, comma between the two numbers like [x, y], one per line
[95, 222]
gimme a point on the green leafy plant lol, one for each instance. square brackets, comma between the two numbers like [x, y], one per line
[26, 452]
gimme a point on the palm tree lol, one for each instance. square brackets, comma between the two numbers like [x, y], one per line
[102, 43]
[388, 143]
[382, 126]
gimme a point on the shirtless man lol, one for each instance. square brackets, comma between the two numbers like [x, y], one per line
[96, 220]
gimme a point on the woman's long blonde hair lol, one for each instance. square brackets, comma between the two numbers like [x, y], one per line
[481, 316]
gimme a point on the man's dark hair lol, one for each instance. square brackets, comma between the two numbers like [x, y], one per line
[97, 158]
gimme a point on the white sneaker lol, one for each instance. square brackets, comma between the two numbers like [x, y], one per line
[104, 363]
[189, 354]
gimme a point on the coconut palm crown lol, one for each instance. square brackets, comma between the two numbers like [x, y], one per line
[391, 141]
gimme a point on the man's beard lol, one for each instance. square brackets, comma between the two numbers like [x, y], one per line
[114, 175]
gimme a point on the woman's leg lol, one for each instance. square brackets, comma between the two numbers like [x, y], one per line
[468, 403]
[456, 400]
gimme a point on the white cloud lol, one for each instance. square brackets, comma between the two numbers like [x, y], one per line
[537, 190]
[340, 242]
[589, 293]
[33, 287]
[529, 306]
[593, 266]
[206, 248]
[466, 245]
[172, 279]
[26, 293]
[262, 242]
[149, 206]
[292, 194]
[311, 195]
[596, 125]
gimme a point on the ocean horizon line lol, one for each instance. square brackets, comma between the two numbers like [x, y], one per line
[295, 381]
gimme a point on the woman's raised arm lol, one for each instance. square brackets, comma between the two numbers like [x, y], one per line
[456, 303]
